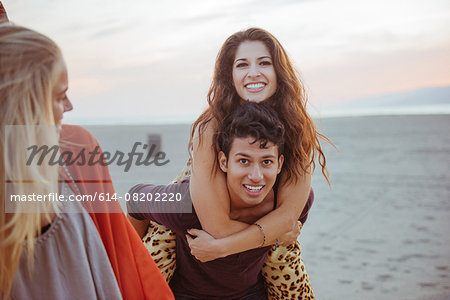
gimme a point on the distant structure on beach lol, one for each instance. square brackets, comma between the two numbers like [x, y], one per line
[154, 144]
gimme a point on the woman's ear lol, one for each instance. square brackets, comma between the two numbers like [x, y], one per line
[223, 161]
[280, 163]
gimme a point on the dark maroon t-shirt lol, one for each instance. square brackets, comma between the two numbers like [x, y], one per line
[229, 277]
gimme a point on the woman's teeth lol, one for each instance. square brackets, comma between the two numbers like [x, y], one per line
[255, 85]
[253, 188]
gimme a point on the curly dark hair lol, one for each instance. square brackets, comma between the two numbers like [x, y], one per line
[255, 120]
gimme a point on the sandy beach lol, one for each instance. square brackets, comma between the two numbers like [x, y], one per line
[381, 231]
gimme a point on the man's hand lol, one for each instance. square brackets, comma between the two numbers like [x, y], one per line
[204, 247]
[291, 236]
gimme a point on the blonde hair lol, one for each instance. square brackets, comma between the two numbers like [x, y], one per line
[28, 63]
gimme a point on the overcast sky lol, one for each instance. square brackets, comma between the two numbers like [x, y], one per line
[155, 58]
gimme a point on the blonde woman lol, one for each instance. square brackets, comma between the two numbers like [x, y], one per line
[46, 253]
[40, 239]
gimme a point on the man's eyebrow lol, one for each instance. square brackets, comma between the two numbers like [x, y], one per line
[247, 155]
[241, 154]
[269, 156]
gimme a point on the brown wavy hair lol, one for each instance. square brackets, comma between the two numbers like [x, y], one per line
[289, 101]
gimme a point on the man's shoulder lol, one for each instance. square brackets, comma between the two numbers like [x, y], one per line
[172, 199]
[181, 186]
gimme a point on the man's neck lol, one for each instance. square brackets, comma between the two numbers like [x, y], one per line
[252, 214]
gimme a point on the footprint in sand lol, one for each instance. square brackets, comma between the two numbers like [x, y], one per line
[366, 286]
[429, 218]
[365, 250]
[343, 281]
[420, 228]
[427, 284]
[384, 277]
[424, 241]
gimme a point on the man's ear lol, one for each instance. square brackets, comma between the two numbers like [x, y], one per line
[280, 163]
[223, 161]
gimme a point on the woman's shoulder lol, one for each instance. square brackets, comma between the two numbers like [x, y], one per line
[70, 219]
[71, 240]
[76, 134]
[206, 127]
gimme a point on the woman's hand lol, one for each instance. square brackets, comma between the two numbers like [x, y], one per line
[204, 247]
[291, 236]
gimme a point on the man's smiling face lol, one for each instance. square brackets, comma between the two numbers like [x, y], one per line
[251, 171]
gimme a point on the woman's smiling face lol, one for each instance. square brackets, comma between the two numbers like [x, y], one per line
[254, 76]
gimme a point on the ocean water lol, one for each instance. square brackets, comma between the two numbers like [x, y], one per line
[315, 112]
[356, 111]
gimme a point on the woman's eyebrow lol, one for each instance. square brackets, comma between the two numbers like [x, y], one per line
[259, 58]
[238, 59]
[62, 91]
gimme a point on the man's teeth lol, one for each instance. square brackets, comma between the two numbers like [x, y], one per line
[255, 85]
[253, 188]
